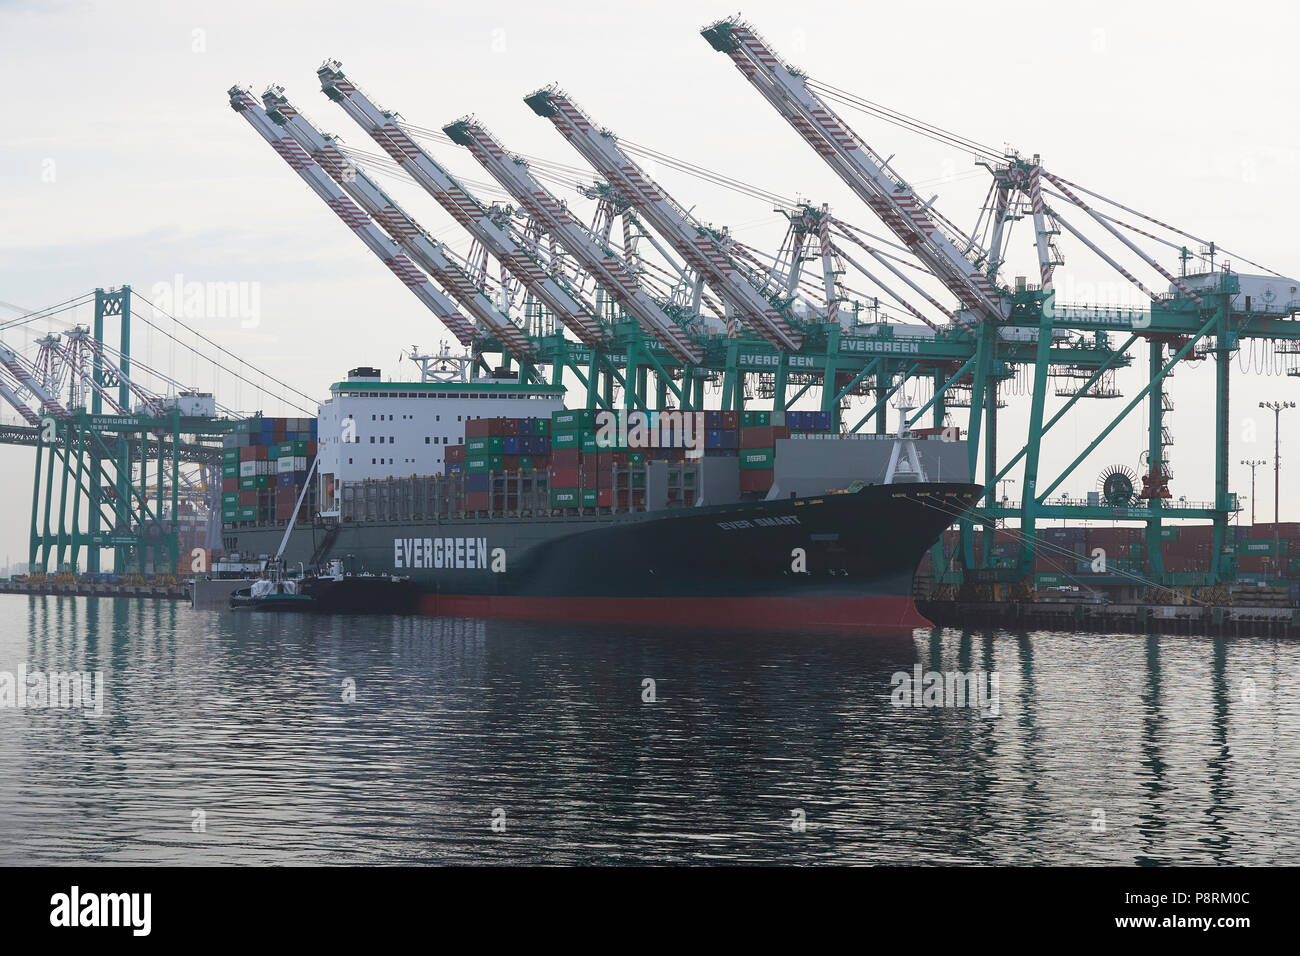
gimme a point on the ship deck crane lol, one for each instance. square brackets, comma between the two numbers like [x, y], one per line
[701, 246]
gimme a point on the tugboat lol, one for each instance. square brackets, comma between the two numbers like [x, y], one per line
[334, 592]
[272, 592]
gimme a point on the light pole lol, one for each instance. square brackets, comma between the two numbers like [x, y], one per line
[1252, 464]
[1277, 408]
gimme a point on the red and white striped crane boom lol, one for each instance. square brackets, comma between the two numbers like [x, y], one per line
[861, 168]
[700, 246]
[569, 308]
[242, 102]
[438, 261]
[595, 257]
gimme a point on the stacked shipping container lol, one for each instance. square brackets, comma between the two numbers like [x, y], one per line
[264, 468]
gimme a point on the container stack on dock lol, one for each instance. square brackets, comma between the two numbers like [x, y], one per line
[1266, 557]
[264, 468]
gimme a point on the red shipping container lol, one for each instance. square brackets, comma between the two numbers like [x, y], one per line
[478, 428]
[756, 480]
[565, 458]
[541, 462]
[564, 477]
[730, 420]
[248, 498]
[454, 453]
[605, 498]
[636, 501]
[261, 452]
[229, 484]
[762, 436]
[478, 500]
[591, 477]
[509, 426]
[510, 462]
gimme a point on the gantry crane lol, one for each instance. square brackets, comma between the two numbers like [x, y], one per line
[435, 258]
[702, 247]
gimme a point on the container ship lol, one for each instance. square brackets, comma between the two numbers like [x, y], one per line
[494, 500]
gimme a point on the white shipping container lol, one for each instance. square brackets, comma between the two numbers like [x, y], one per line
[247, 469]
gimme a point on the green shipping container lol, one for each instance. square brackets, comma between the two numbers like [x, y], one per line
[636, 458]
[570, 419]
[590, 497]
[755, 419]
[229, 514]
[229, 455]
[565, 497]
[525, 462]
[230, 498]
[230, 471]
[248, 513]
[485, 464]
[589, 443]
[757, 459]
[1169, 534]
[566, 440]
[1256, 548]
[478, 446]
[541, 426]
[1049, 580]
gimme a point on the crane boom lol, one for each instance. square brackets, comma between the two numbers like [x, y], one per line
[242, 102]
[14, 363]
[861, 168]
[700, 246]
[596, 257]
[430, 254]
[567, 305]
[21, 407]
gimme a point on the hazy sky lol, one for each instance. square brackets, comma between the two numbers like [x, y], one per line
[123, 163]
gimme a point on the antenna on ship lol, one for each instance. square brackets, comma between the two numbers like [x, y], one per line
[904, 461]
[445, 366]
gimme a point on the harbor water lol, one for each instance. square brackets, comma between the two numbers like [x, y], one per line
[246, 738]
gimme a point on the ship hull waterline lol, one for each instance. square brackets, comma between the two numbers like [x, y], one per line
[840, 561]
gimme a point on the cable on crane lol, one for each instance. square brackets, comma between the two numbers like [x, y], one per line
[226, 351]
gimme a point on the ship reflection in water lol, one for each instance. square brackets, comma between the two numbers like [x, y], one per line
[229, 739]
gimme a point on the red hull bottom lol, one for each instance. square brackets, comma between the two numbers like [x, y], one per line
[863, 615]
